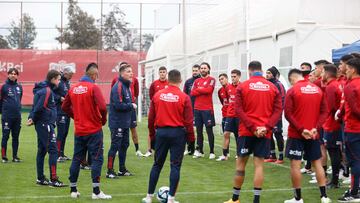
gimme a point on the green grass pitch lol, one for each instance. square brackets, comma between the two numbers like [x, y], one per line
[202, 180]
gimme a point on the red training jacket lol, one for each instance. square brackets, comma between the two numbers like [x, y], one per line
[333, 96]
[156, 86]
[352, 106]
[231, 93]
[223, 100]
[258, 104]
[202, 90]
[86, 105]
[171, 107]
[305, 108]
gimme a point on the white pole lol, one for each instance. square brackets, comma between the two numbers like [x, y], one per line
[139, 99]
[184, 32]
[247, 30]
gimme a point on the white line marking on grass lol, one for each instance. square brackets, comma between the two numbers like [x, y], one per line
[143, 194]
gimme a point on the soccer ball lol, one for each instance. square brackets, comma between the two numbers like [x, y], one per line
[162, 194]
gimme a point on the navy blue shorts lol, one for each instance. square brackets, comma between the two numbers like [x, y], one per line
[296, 149]
[332, 139]
[133, 122]
[232, 125]
[352, 149]
[247, 145]
[223, 123]
[205, 117]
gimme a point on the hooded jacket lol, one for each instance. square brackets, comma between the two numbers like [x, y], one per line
[10, 99]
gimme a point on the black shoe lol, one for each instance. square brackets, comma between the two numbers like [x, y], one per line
[347, 197]
[5, 160]
[111, 174]
[43, 181]
[16, 159]
[332, 185]
[85, 167]
[56, 183]
[124, 173]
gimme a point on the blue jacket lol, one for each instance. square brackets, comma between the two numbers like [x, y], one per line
[10, 101]
[61, 91]
[44, 106]
[281, 89]
[120, 105]
[188, 86]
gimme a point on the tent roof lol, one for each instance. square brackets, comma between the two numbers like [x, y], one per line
[351, 48]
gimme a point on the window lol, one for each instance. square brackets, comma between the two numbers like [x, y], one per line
[286, 56]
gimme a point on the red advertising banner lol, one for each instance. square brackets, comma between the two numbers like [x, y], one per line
[34, 65]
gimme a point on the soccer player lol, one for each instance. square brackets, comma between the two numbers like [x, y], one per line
[231, 124]
[306, 68]
[63, 120]
[86, 105]
[352, 128]
[156, 86]
[171, 114]
[273, 74]
[10, 107]
[43, 114]
[258, 105]
[134, 88]
[332, 128]
[223, 79]
[305, 122]
[187, 90]
[204, 111]
[319, 69]
[121, 108]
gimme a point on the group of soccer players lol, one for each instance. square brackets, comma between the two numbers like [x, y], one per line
[322, 108]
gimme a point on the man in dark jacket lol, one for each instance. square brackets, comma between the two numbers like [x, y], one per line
[10, 106]
[43, 115]
[273, 74]
[121, 107]
[63, 120]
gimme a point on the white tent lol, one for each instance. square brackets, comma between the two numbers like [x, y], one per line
[283, 33]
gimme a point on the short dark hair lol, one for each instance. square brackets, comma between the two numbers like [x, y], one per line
[354, 63]
[52, 74]
[13, 70]
[174, 76]
[294, 71]
[162, 68]
[91, 65]
[196, 66]
[306, 64]
[124, 67]
[346, 57]
[223, 74]
[236, 71]
[123, 63]
[355, 55]
[255, 65]
[205, 63]
[332, 69]
[321, 62]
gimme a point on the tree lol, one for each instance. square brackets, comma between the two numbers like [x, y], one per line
[80, 32]
[3, 43]
[147, 41]
[22, 35]
[115, 29]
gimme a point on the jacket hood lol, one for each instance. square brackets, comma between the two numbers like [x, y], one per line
[40, 85]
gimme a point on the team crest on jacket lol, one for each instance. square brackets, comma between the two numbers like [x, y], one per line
[169, 97]
[259, 86]
[309, 89]
[80, 90]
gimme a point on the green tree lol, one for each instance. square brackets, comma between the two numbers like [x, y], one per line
[80, 32]
[115, 29]
[22, 34]
[147, 39]
[3, 43]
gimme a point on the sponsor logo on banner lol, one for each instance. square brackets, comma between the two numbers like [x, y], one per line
[6, 65]
[80, 90]
[309, 89]
[259, 86]
[59, 66]
[169, 97]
